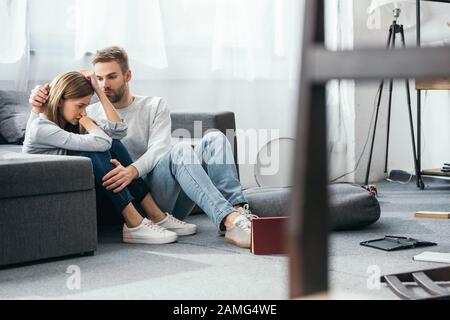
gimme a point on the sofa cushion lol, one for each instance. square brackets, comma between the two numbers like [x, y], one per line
[351, 207]
[14, 113]
[268, 201]
[29, 175]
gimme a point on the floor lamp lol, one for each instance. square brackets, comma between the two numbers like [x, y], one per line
[394, 29]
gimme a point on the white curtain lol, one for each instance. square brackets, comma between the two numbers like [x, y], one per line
[14, 44]
[135, 25]
[13, 30]
[250, 38]
[340, 93]
[218, 61]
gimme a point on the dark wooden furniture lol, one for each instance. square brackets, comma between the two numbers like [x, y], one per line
[308, 232]
[430, 84]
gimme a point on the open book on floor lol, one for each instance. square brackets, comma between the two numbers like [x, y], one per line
[442, 257]
[269, 235]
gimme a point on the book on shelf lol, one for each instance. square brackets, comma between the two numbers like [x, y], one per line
[269, 235]
[432, 214]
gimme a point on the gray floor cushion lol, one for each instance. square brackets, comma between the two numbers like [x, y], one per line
[351, 207]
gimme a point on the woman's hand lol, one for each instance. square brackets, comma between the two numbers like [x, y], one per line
[87, 123]
[90, 75]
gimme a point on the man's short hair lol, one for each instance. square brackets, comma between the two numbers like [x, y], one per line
[114, 53]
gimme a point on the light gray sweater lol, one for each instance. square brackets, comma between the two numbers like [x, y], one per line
[149, 130]
[46, 137]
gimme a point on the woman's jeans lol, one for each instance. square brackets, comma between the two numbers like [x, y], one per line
[101, 162]
[205, 175]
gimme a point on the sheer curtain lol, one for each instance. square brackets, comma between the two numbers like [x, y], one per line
[133, 24]
[250, 38]
[14, 44]
[13, 30]
[201, 55]
[340, 93]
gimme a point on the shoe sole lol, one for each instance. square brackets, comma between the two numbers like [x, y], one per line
[148, 241]
[243, 246]
[184, 232]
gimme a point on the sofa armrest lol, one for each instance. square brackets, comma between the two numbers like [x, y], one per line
[197, 123]
[33, 175]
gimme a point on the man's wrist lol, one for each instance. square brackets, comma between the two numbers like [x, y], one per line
[98, 91]
[134, 171]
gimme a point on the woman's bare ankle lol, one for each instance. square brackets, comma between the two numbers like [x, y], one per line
[132, 216]
[133, 223]
[157, 217]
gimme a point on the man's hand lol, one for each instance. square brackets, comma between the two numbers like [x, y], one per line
[90, 75]
[120, 177]
[39, 97]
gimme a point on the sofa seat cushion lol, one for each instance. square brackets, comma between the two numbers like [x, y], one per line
[351, 207]
[30, 175]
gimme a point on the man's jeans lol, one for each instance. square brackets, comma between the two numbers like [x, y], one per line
[101, 163]
[205, 175]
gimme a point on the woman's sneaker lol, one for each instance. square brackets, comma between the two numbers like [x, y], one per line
[181, 228]
[240, 233]
[149, 233]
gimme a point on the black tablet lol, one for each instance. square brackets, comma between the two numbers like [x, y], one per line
[391, 243]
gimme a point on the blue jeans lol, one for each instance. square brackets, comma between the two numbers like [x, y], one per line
[205, 175]
[101, 162]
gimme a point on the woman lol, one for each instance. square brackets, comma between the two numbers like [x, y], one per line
[58, 127]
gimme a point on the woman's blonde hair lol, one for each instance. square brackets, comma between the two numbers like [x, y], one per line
[69, 85]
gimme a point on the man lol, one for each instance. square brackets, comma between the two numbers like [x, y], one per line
[174, 174]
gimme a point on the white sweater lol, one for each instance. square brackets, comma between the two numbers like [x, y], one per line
[149, 130]
[45, 137]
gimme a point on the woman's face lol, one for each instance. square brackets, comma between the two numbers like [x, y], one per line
[74, 109]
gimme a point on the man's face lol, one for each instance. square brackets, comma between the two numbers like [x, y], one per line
[111, 80]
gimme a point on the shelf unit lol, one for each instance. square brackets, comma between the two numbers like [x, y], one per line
[439, 84]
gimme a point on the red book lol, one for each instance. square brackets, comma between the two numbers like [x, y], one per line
[269, 235]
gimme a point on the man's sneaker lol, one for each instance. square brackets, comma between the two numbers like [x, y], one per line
[240, 233]
[244, 210]
[149, 233]
[181, 228]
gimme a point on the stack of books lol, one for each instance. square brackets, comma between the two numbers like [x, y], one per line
[428, 256]
[446, 167]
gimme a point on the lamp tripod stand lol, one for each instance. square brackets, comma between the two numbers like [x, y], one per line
[394, 29]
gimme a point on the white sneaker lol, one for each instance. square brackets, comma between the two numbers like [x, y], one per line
[149, 233]
[181, 228]
[244, 210]
[240, 233]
